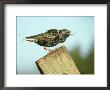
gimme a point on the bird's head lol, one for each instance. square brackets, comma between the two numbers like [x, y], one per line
[66, 32]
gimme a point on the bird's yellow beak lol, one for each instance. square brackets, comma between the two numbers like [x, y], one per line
[72, 33]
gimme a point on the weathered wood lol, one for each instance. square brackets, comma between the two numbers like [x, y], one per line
[58, 61]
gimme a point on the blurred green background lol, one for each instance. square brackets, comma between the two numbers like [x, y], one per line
[84, 64]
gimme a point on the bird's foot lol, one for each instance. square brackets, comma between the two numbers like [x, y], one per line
[48, 49]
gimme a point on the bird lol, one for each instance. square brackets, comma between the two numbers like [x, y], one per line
[50, 38]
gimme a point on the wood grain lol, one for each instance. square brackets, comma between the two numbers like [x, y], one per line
[58, 61]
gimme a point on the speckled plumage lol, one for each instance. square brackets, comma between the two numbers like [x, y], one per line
[50, 38]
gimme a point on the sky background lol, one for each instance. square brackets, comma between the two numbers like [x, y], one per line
[27, 53]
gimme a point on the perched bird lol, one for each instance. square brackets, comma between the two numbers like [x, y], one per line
[50, 38]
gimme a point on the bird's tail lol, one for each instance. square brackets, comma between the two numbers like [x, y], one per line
[28, 39]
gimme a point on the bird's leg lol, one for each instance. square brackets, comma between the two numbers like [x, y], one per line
[47, 49]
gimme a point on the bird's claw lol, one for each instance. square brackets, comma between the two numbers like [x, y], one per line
[50, 51]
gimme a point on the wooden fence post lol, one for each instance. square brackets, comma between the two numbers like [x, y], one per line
[58, 61]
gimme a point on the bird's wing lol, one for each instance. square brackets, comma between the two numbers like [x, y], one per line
[49, 36]
[46, 37]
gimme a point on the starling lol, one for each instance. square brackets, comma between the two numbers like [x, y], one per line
[50, 38]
